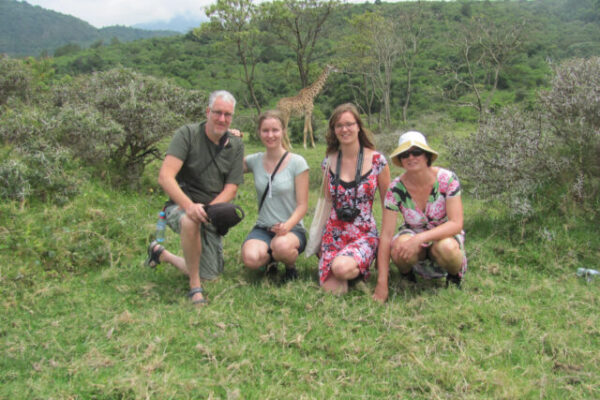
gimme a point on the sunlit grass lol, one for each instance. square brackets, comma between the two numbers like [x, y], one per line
[82, 318]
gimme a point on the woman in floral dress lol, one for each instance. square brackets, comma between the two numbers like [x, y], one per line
[429, 199]
[355, 172]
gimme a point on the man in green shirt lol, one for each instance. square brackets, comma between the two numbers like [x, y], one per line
[203, 165]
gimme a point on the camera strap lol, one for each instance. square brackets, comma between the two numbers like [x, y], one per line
[222, 142]
[338, 168]
[213, 156]
[268, 188]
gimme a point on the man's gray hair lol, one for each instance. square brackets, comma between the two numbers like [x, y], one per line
[220, 94]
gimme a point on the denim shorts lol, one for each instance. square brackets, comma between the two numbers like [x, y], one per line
[261, 233]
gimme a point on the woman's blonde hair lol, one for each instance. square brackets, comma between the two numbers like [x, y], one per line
[275, 114]
[364, 135]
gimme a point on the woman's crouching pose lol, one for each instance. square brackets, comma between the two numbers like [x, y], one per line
[429, 199]
[281, 182]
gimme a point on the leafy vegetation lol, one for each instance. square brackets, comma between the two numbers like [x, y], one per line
[431, 72]
[83, 319]
[111, 121]
[516, 155]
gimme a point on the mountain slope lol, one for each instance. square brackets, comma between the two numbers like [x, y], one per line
[27, 30]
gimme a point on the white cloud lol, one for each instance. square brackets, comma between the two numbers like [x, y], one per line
[102, 13]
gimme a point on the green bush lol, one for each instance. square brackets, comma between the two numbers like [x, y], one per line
[509, 158]
[41, 173]
[24, 125]
[34, 165]
[573, 109]
[15, 79]
[89, 135]
[13, 180]
[118, 117]
[518, 155]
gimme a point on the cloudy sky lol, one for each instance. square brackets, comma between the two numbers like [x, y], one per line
[102, 13]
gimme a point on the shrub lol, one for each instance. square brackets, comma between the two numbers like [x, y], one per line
[128, 112]
[387, 142]
[573, 109]
[13, 180]
[509, 158]
[516, 153]
[24, 125]
[38, 173]
[34, 164]
[87, 133]
[15, 79]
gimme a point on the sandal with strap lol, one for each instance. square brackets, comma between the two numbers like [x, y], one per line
[154, 253]
[194, 291]
[271, 269]
[291, 273]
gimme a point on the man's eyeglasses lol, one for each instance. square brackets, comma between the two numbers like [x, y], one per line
[413, 152]
[222, 113]
[347, 125]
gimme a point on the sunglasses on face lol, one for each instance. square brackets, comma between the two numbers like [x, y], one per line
[413, 152]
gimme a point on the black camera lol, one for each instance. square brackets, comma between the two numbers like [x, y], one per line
[347, 214]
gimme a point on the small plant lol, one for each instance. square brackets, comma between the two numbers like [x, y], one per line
[40, 173]
[13, 180]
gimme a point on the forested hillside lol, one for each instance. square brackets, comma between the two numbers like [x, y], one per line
[27, 30]
[448, 68]
[510, 47]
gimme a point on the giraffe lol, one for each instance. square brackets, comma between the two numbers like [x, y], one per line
[303, 104]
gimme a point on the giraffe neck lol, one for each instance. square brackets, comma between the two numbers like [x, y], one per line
[317, 85]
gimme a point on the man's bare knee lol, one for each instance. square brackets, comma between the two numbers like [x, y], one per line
[188, 225]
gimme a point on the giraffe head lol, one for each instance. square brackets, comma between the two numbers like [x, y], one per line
[331, 68]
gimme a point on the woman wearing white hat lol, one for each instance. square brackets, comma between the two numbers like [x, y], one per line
[429, 199]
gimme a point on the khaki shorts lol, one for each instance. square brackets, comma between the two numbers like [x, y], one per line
[211, 262]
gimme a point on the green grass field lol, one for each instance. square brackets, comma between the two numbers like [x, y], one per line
[82, 318]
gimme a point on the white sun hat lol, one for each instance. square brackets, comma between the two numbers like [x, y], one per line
[411, 139]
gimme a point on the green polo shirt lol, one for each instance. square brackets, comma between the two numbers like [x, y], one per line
[201, 178]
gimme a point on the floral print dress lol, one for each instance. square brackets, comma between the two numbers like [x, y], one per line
[357, 239]
[415, 220]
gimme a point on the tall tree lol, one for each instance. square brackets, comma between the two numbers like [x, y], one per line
[411, 27]
[299, 24]
[236, 19]
[356, 60]
[379, 38]
[486, 46]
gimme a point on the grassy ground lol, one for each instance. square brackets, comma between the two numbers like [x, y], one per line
[81, 318]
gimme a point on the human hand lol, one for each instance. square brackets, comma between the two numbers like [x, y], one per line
[280, 229]
[381, 293]
[236, 132]
[196, 213]
[409, 248]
